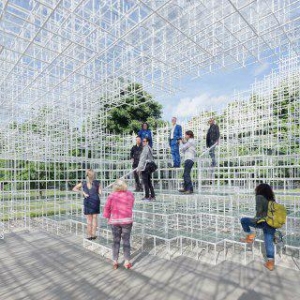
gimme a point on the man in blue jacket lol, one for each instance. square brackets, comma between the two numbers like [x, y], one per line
[175, 137]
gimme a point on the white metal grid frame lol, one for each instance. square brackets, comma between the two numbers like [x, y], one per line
[66, 52]
[62, 62]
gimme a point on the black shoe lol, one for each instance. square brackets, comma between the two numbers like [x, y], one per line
[93, 237]
[181, 190]
[89, 238]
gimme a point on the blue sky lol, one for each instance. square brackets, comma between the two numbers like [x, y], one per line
[211, 92]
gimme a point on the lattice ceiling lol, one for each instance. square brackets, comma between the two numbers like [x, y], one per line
[72, 52]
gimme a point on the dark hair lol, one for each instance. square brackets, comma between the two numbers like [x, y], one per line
[147, 139]
[145, 124]
[265, 190]
[190, 133]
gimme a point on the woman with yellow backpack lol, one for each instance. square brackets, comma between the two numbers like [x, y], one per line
[269, 216]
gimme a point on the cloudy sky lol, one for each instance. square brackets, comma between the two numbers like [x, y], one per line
[211, 92]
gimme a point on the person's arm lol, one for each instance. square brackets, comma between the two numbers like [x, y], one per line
[130, 199]
[177, 132]
[180, 132]
[107, 208]
[99, 190]
[132, 152]
[207, 139]
[150, 139]
[78, 188]
[143, 157]
[259, 206]
[217, 133]
[186, 145]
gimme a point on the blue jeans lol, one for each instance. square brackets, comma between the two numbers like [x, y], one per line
[175, 152]
[188, 185]
[268, 231]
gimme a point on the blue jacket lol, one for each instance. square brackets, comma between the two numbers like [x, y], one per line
[146, 133]
[177, 133]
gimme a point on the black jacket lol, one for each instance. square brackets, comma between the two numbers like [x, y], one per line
[213, 134]
[135, 154]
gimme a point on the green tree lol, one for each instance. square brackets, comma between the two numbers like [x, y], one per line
[138, 107]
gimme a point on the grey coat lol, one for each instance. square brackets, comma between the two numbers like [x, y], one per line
[146, 156]
[188, 148]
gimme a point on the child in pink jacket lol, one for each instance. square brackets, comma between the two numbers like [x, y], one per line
[118, 211]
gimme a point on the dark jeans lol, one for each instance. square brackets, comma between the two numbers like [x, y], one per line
[147, 181]
[268, 231]
[118, 232]
[188, 185]
[213, 156]
[138, 185]
[175, 153]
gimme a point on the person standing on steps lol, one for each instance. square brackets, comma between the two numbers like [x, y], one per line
[174, 140]
[135, 153]
[90, 190]
[145, 132]
[188, 148]
[263, 194]
[212, 137]
[146, 157]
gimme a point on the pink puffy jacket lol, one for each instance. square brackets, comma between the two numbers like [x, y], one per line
[118, 208]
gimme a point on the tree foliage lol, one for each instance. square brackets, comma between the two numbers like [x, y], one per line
[138, 107]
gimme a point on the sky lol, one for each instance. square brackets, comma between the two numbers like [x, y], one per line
[211, 92]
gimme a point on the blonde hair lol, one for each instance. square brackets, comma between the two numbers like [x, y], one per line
[119, 186]
[90, 174]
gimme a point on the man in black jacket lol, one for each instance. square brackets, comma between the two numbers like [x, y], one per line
[135, 157]
[212, 137]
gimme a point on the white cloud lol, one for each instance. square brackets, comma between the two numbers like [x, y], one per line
[260, 69]
[188, 107]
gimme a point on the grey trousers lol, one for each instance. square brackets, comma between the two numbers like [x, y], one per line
[118, 232]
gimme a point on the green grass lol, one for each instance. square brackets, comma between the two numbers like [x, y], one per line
[34, 194]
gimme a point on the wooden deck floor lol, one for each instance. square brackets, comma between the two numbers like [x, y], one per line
[38, 265]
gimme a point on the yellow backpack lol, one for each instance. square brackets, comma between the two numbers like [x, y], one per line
[276, 216]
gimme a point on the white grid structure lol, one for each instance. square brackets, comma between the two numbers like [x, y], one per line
[70, 54]
[63, 63]
[204, 226]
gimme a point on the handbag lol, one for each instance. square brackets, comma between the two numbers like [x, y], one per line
[151, 167]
